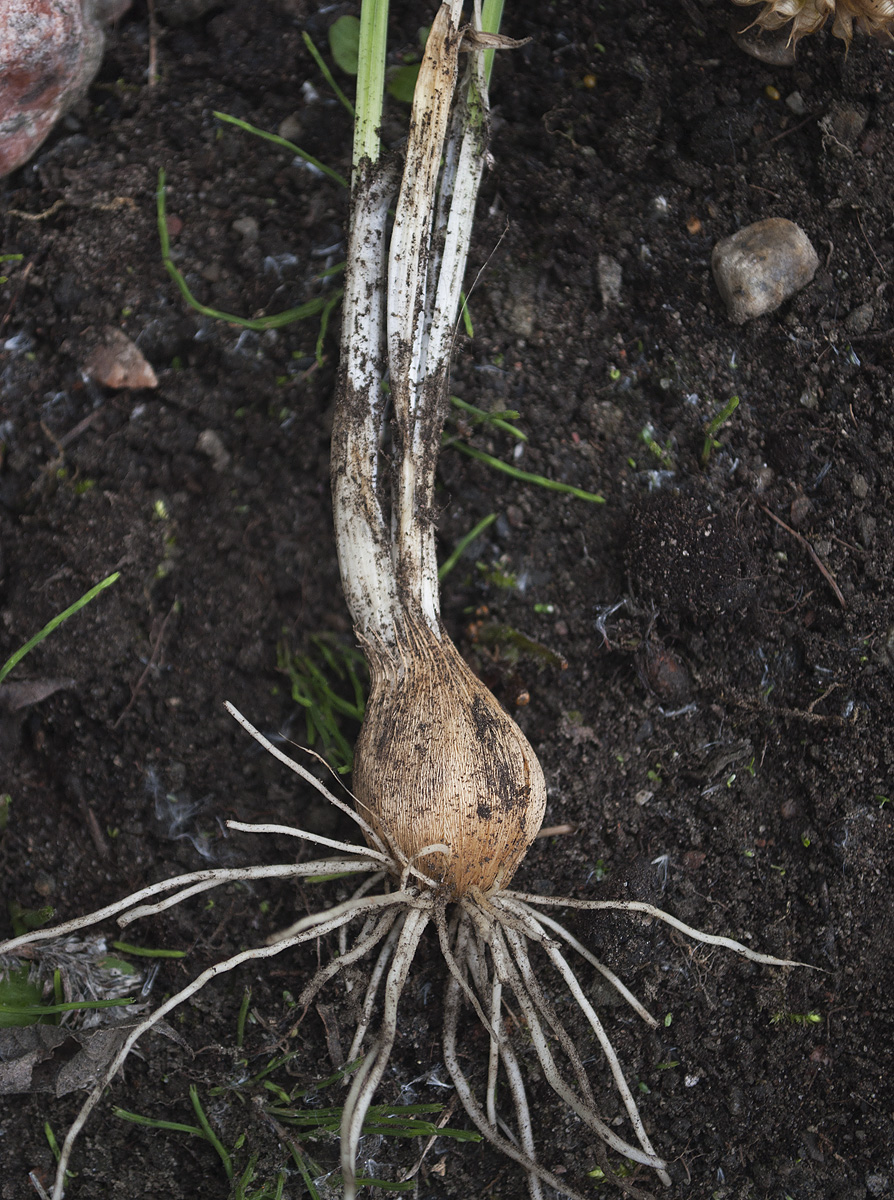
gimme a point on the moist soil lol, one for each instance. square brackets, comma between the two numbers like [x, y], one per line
[704, 663]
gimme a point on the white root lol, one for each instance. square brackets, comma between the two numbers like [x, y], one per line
[499, 926]
[363, 946]
[535, 929]
[372, 990]
[523, 994]
[238, 874]
[452, 1008]
[366, 886]
[373, 1067]
[640, 906]
[368, 831]
[319, 923]
[215, 876]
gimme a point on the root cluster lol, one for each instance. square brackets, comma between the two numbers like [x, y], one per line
[487, 943]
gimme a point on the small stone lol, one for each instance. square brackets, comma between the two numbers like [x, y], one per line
[117, 363]
[763, 478]
[866, 527]
[859, 320]
[210, 443]
[610, 278]
[843, 124]
[809, 398]
[800, 510]
[773, 47]
[44, 884]
[291, 128]
[759, 267]
[859, 486]
[795, 103]
[246, 227]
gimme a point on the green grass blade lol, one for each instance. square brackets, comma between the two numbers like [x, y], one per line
[146, 951]
[243, 1014]
[310, 308]
[464, 307]
[460, 547]
[324, 323]
[152, 1123]
[45, 1010]
[491, 16]
[286, 145]
[298, 1159]
[526, 476]
[16, 658]
[326, 73]
[209, 1133]
[498, 420]
[385, 1186]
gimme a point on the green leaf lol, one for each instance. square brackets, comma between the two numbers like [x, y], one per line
[16, 994]
[344, 42]
[146, 951]
[402, 83]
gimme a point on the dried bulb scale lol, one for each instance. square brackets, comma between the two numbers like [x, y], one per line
[875, 17]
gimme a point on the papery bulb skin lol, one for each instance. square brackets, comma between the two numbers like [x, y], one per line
[50, 51]
[438, 761]
[875, 17]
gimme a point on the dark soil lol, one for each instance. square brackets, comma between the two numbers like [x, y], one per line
[722, 743]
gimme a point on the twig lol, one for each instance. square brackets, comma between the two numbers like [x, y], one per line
[442, 1121]
[41, 216]
[152, 72]
[156, 646]
[824, 570]
[556, 830]
[829, 690]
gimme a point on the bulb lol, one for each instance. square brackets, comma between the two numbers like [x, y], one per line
[438, 762]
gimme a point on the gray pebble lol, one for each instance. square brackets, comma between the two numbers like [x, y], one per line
[867, 527]
[773, 47]
[247, 227]
[843, 124]
[210, 443]
[610, 278]
[859, 486]
[762, 265]
[291, 128]
[795, 103]
[860, 319]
